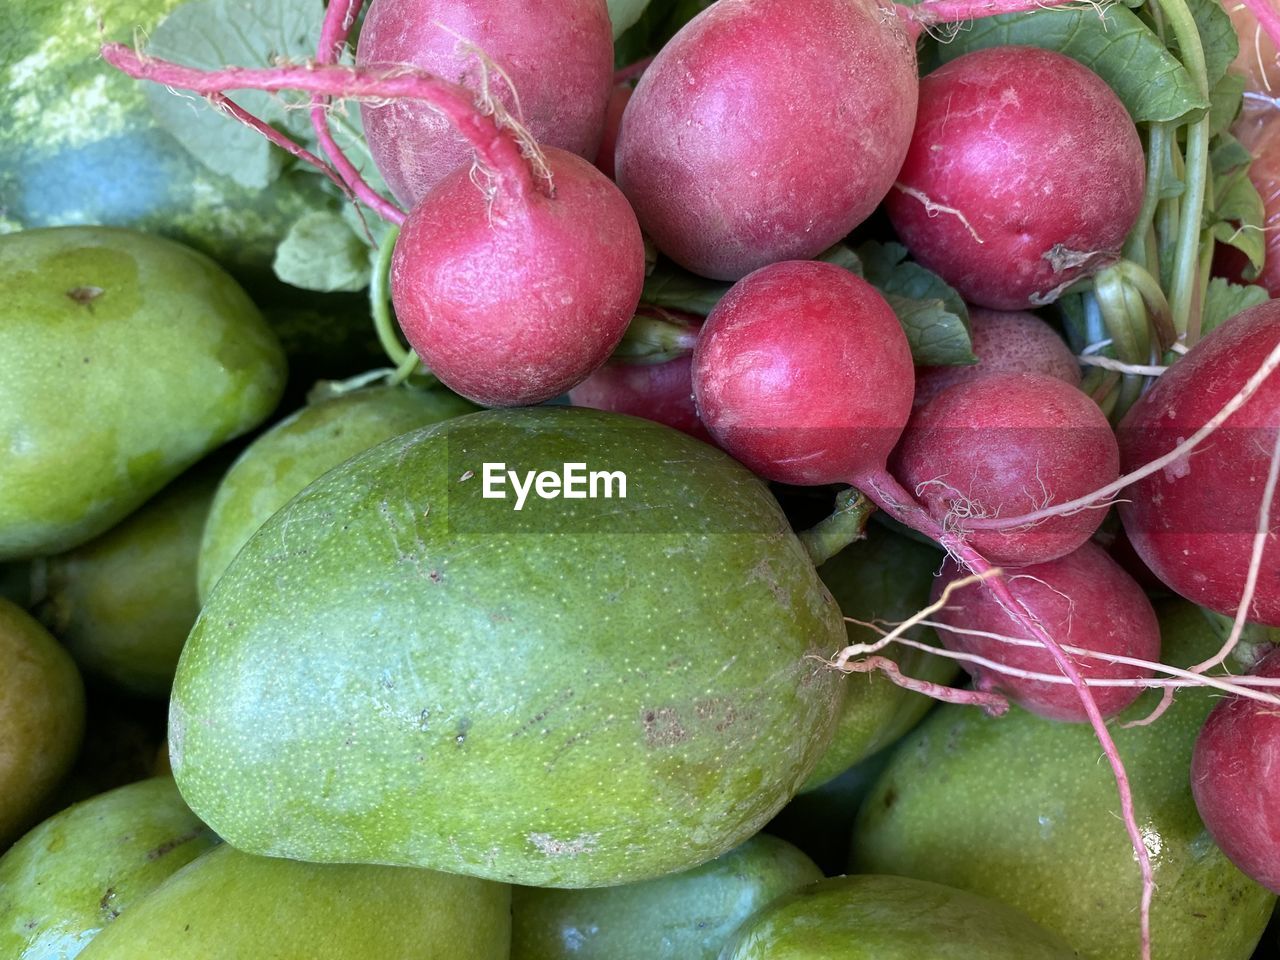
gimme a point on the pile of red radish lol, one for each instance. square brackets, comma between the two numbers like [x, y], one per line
[761, 134]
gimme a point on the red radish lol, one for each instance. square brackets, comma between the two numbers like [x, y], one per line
[766, 130]
[1004, 342]
[1236, 781]
[516, 276]
[1194, 522]
[1005, 444]
[803, 373]
[550, 65]
[662, 392]
[1025, 173]
[618, 101]
[1084, 599]
[516, 298]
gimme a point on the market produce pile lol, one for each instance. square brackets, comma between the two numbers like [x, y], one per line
[791, 479]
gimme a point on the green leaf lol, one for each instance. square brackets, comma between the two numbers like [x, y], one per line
[1236, 199]
[842, 255]
[1225, 299]
[661, 20]
[1227, 154]
[676, 289]
[1217, 36]
[246, 33]
[933, 315]
[1115, 44]
[320, 252]
[1224, 103]
[1238, 217]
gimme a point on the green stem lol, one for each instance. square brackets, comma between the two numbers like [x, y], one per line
[1153, 301]
[407, 366]
[1207, 246]
[1135, 248]
[1127, 330]
[845, 525]
[380, 301]
[1183, 284]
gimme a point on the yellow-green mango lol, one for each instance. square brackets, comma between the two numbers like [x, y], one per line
[1025, 810]
[684, 916]
[890, 918]
[124, 602]
[229, 905]
[299, 449]
[127, 357]
[82, 868]
[585, 692]
[41, 717]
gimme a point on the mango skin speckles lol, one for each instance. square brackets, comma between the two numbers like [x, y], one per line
[396, 670]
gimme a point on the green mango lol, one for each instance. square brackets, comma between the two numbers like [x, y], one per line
[299, 449]
[684, 916]
[890, 918]
[883, 578]
[229, 905]
[127, 358]
[81, 145]
[124, 602]
[1024, 810]
[81, 869]
[399, 669]
[42, 706]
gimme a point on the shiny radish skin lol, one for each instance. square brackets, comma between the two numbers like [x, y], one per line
[1025, 173]
[557, 54]
[1003, 445]
[1234, 783]
[766, 130]
[1084, 599]
[1004, 341]
[1194, 522]
[513, 300]
[803, 374]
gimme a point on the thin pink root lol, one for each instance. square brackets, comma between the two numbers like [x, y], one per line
[495, 148]
[890, 496]
[930, 12]
[993, 703]
[237, 112]
[1267, 18]
[339, 18]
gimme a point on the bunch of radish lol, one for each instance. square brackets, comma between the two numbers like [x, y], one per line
[763, 133]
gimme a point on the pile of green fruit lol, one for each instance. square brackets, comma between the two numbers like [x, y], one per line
[309, 657]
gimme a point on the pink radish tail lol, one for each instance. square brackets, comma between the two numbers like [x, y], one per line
[497, 149]
[339, 18]
[928, 13]
[891, 497]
